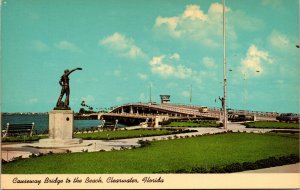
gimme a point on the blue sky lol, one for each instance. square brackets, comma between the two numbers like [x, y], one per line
[124, 46]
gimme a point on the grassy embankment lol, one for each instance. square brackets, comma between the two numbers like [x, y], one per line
[271, 124]
[205, 153]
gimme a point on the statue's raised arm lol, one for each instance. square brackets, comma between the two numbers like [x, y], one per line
[69, 72]
[64, 82]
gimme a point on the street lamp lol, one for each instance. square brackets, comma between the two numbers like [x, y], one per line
[224, 67]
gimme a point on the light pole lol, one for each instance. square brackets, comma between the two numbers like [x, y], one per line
[191, 91]
[150, 92]
[224, 65]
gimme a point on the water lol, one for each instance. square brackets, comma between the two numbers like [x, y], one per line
[41, 121]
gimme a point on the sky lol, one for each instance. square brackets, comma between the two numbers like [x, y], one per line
[127, 46]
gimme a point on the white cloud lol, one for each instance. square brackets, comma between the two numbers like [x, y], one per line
[67, 46]
[142, 76]
[279, 40]
[88, 99]
[169, 24]
[175, 56]
[209, 62]
[157, 60]
[40, 46]
[122, 45]
[196, 25]
[254, 61]
[194, 12]
[167, 70]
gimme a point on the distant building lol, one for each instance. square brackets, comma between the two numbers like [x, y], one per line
[164, 99]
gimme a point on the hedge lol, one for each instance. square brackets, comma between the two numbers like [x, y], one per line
[238, 167]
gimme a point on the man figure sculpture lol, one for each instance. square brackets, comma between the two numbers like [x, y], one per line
[222, 101]
[65, 90]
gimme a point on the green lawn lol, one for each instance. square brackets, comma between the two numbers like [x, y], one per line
[102, 135]
[123, 134]
[203, 123]
[272, 124]
[205, 151]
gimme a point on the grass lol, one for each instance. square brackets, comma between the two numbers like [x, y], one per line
[202, 123]
[123, 134]
[204, 152]
[100, 135]
[272, 124]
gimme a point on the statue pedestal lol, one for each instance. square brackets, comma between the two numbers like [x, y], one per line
[60, 130]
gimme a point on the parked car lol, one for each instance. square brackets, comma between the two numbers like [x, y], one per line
[288, 117]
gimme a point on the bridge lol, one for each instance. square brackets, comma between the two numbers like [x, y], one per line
[136, 113]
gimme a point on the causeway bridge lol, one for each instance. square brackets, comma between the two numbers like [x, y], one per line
[152, 113]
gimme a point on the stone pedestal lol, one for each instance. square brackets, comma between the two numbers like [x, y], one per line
[60, 129]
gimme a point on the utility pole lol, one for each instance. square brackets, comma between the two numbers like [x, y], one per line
[224, 64]
[191, 91]
[150, 93]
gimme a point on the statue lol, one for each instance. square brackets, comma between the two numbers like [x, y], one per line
[65, 90]
[222, 101]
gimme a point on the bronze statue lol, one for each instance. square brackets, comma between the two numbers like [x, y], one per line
[65, 90]
[222, 101]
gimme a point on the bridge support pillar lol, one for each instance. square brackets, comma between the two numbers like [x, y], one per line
[131, 110]
[254, 118]
[160, 119]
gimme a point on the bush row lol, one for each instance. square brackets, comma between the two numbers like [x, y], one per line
[238, 167]
[21, 139]
[144, 135]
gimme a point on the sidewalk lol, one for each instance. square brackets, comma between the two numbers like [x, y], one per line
[291, 168]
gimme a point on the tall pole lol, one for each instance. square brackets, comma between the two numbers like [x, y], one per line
[224, 66]
[150, 93]
[191, 95]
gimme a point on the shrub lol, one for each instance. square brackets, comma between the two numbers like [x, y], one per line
[182, 171]
[199, 170]
[167, 122]
[216, 169]
[235, 167]
[3, 161]
[144, 143]
[32, 155]
[248, 166]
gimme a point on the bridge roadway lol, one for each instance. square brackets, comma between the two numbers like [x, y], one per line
[168, 109]
[135, 113]
[143, 111]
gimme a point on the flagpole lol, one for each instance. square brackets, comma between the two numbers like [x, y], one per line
[224, 64]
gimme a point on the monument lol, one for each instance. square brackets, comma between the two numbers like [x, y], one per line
[61, 118]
